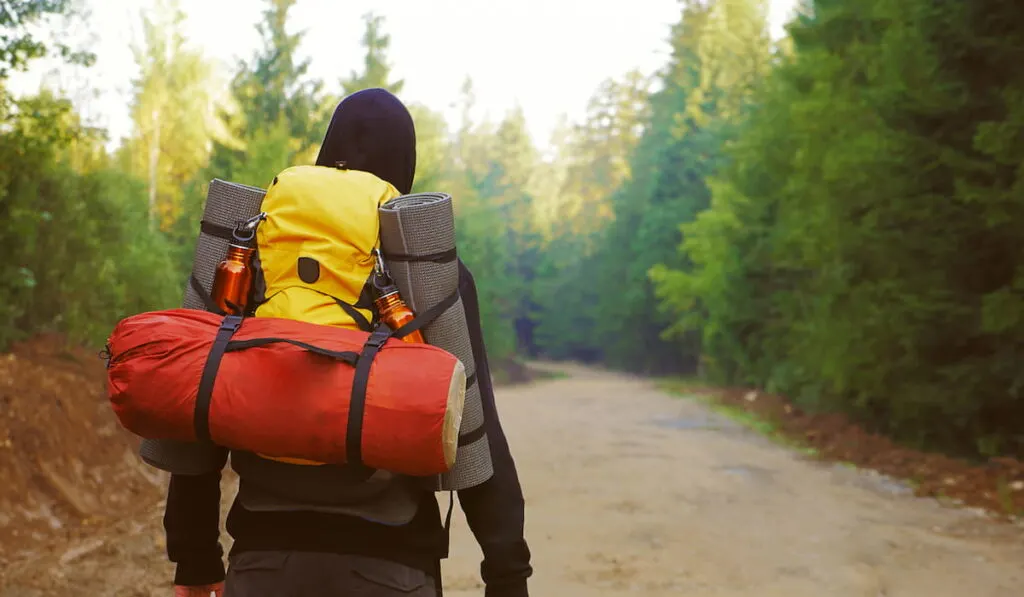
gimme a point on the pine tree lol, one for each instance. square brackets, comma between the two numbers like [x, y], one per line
[279, 115]
[592, 160]
[376, 70]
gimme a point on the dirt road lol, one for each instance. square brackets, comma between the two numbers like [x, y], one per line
[632, 492]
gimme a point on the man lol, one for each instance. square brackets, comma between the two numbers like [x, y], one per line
[299, 551]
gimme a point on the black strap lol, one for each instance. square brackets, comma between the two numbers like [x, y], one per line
[427, 316]
[205, 296]
[471, 437]
[366, 301]
[447, 541]
[468, 438]
[208, 300]
[201, 416]
[442, 257]
[346, 356]
[358, 317]
[357, 404]
[217, 230]
[448, 517]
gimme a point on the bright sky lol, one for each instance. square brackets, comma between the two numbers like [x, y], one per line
[548, 56]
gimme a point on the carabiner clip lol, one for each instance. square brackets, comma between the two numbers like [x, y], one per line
[249, 227]
[379, 266]
[381, 275]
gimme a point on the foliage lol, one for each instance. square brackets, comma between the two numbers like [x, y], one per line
[833, 217]
[78, 254]
[376, 71]
[278, 116]
[174, 111]
[19, 46]
[858, 254]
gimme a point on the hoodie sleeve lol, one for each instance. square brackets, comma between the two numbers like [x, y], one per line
[495, 509]
[192, 525]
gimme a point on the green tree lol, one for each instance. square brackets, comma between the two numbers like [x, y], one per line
[858, 253]
[278, 114]
[78, 254]
[376, 71]
[593, 161]
[703, 89]
[19, 45]
[174, 112]
[433, 149]
[488, 177]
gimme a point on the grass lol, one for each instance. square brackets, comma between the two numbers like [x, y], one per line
[692, 388]
[684, 385]
[1005, 496]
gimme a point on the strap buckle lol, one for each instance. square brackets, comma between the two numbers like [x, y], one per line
[231, 323]
[379, 337]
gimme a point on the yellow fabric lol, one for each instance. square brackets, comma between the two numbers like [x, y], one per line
[329, 215]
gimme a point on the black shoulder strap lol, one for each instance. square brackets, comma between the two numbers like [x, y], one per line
[424, 318]
[204, 296]
[358, 317]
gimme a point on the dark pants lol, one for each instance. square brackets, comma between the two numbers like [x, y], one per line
[305, 574]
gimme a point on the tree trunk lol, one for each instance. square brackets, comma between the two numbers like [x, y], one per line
[154, 162]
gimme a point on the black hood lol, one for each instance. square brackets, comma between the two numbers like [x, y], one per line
[372, 131]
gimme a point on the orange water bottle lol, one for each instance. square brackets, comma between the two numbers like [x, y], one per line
[233, 276]
[232, 280]
[392, 309]
[394, 312]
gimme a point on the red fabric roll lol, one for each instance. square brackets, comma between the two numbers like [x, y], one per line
[284, 400]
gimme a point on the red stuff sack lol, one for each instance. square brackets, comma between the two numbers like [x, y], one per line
[287, 388]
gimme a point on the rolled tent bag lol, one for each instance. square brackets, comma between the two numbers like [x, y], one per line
[287, 388]
[418, 243]
[227, 203]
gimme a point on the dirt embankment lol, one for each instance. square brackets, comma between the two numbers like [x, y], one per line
[66, 464]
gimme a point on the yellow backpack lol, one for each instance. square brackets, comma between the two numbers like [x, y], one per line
[314, 249]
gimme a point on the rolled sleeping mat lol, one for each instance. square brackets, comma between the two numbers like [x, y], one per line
[227, 203]
[418, 243]
[352, 396]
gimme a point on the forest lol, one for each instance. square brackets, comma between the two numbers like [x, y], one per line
[834, 216]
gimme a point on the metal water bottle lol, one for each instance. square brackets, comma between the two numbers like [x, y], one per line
[232, 280]
[233, 277]
[392, 309]
[394, 312]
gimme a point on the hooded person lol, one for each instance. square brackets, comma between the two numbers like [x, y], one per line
[295, 531]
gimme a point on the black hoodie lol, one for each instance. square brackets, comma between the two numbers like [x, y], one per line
[371, 131]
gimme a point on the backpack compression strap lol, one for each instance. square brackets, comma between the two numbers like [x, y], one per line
[363, 362]
[223, 344]
[357, 403]
[201, 416]
[432, 314]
